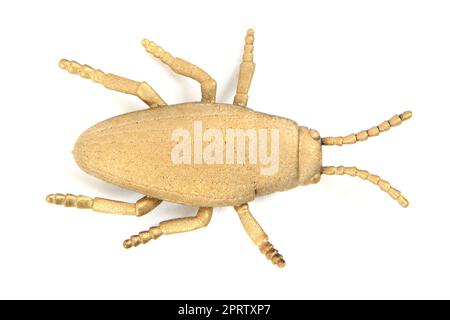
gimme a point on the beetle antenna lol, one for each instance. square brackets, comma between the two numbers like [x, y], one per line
[365, 175]
[365, 134]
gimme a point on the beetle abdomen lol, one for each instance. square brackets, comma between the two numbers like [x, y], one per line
[136, 151]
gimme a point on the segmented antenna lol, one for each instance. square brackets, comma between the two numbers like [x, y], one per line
[365, 134]
[365, 175]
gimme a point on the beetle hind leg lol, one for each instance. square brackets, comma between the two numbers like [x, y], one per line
[258, 235]
[179, 225]
[139, 208]
[114, 82]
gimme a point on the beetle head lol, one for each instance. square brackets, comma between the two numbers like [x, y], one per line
[309, 156]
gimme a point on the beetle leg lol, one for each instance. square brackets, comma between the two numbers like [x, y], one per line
[258, 235]
[113, 82]
[246, 71]
[201, 220]
[208, 85]
[141, 207]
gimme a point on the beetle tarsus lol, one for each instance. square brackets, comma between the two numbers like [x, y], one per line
[272, 254]
[70, 200]
[142, 238]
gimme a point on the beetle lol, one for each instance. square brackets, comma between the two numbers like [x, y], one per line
[136, 151]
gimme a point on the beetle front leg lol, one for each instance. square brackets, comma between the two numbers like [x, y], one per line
[258, 235]
[141, 207]
[201, 220]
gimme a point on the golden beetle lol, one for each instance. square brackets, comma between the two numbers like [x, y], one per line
[134, 151]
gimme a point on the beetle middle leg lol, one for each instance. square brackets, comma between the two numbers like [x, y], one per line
[179, 225]
[258, 235]
[113, 82]
[139, 208]
[208, 85]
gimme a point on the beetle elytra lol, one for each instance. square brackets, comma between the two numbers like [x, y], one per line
[136, 151]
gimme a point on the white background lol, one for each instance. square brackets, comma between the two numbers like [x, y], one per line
[337, 66]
